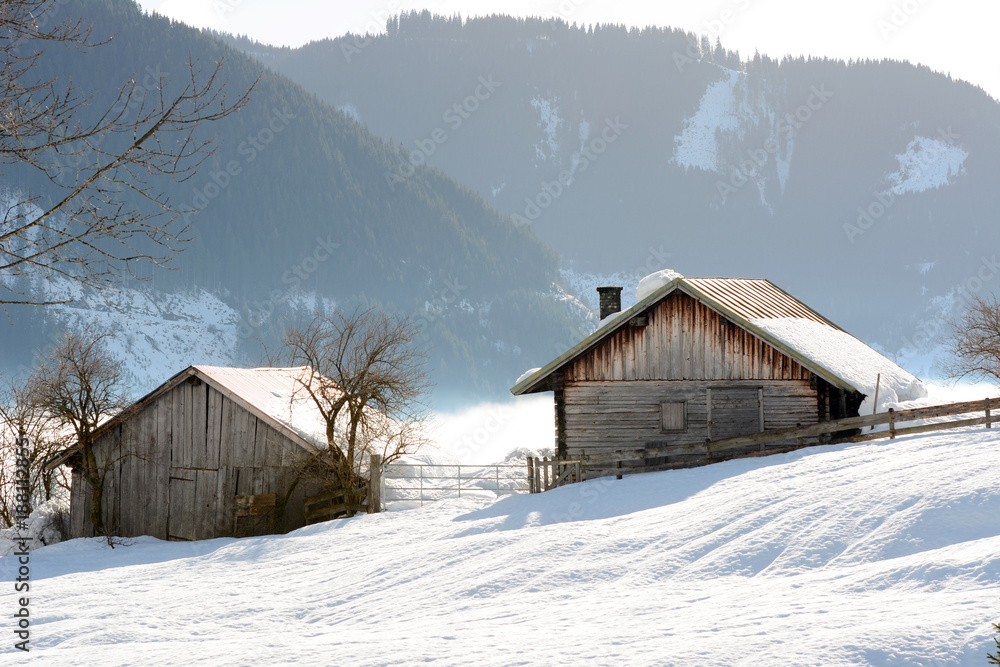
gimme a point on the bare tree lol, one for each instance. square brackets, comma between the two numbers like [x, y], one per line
[79, 384]
[974, 342]
[104, 211]
[368, 382]
[21, 417]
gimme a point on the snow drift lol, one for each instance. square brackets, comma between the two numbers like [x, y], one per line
[881, 554]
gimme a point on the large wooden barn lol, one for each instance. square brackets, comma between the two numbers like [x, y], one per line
[698, 360]
[213, 452]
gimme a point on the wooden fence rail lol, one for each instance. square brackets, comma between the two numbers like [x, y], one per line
[341, 503]
[545, 474]
[628, 461]
[334, 504]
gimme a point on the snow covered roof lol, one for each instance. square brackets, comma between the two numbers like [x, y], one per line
[272, 394]
[771, 314]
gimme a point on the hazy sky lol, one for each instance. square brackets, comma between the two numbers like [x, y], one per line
[956, 36]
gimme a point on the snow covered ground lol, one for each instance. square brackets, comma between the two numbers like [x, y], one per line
[885, 553]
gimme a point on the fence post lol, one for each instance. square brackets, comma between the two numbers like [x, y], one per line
[545, 472]
[618, 465]
[988, 422]
[375, 484]
[538, 475]
[531, 474]
[892, 424]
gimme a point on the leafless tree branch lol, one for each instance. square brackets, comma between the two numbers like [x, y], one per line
[103, 212]
[78, 384]
[368, 382]
[974, 342]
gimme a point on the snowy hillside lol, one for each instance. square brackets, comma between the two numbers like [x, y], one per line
[881, 554]
[154, 334]
[927, 164]
[735, 134]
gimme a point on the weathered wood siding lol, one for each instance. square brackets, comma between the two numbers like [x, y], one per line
[606, 416]
[730, 381]
[177, 465]
[684, 340]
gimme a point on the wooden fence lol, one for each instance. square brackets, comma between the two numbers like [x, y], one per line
[545, 474]
[335, 504]
[630, 461]
[347, 502]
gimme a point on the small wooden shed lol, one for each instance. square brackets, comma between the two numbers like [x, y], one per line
[213, 452]
[700, 359]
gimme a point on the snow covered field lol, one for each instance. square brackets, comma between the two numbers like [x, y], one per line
[884, 554]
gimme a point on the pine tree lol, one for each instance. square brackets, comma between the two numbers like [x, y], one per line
[994, 658]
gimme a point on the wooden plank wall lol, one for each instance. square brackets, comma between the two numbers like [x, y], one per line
[178, 464]
[607, 416]
[684, 340]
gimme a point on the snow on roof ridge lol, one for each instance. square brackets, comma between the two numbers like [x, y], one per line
[257, 369]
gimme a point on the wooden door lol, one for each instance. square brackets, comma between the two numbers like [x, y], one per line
[180, 505]
[734, 411]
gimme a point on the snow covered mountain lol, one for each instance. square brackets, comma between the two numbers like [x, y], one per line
[617, 146]
[291, 214]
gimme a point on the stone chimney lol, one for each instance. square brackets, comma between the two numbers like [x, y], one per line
[611, 300]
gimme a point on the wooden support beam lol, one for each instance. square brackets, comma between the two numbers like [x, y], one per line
[375, 484]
